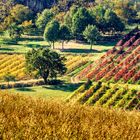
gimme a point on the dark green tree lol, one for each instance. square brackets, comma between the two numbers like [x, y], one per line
[91, 34]
[64, 34]
[45, 62]
[68, 17]
[113, 22]
[15, 31]
[51, 33]
[80, 20]
[43, 19]
[99, 12]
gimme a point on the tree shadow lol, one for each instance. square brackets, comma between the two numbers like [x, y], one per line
[34, 46]
[6, 49]
[26, 89]
[8, 42]
[35, 39]
[80, 51]
[107, 43]
[67, 87]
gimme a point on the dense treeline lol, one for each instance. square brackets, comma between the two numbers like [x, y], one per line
[79, 19]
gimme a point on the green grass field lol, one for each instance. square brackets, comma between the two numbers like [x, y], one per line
[60, 92]
[27, 43]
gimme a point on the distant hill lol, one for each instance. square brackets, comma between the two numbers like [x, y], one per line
[39, 5]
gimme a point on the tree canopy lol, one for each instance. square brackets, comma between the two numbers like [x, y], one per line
[51, 33]
[45, 62]
[64, 34]
[91, 34]
[80, 20]
[43, 19]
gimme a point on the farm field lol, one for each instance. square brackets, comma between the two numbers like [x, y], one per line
[69, 69]
[14, 64]
[31, 118]
[120, 64]
[94, 66]
[105, 95]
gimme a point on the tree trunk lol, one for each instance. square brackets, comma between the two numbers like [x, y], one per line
[45, 77]
[45, 80]
[90, 46]
[53, 44]
[62, 45]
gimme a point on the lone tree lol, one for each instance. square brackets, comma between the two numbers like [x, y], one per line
[45, 62]
[91, 34]
[51, 33]
[64, 34]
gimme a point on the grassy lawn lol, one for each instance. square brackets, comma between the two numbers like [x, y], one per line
[27, 43]
[60, 92]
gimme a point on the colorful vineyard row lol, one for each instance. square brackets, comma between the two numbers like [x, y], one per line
[122, 63]
[101, 94]
[15, 65]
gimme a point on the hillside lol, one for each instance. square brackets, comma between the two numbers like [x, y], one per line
[120, 64]
[14, 64]
[39, 5]
[40, 119]
[106, 95]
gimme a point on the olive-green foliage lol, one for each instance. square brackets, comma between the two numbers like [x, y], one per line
[8, 77]
[51, 33]
[21, 13]
[80, 20]
[45, 62]
[15, 31]
[91, 34]
[43, 19]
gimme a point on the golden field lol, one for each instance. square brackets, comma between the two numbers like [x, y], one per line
[29, 118]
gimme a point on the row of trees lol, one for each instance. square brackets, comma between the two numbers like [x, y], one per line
[79, 23]
[54, 32]
[128, 10]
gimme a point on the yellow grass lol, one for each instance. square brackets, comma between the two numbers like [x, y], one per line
[27, 118]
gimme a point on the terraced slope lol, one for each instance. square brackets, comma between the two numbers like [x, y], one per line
[14, 64]
[105, 95]
[120, 64]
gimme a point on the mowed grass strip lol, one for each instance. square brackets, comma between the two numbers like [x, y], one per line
[28, 118]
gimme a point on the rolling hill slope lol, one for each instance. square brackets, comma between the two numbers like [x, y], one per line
[106, 95]
[120, 64]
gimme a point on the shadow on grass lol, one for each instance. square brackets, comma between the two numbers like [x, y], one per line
[26, 89]
[31, 39]
[107, 43]
[35, 46]
[8, 42]
[67, 87]
[83, 51]
[6, 49]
